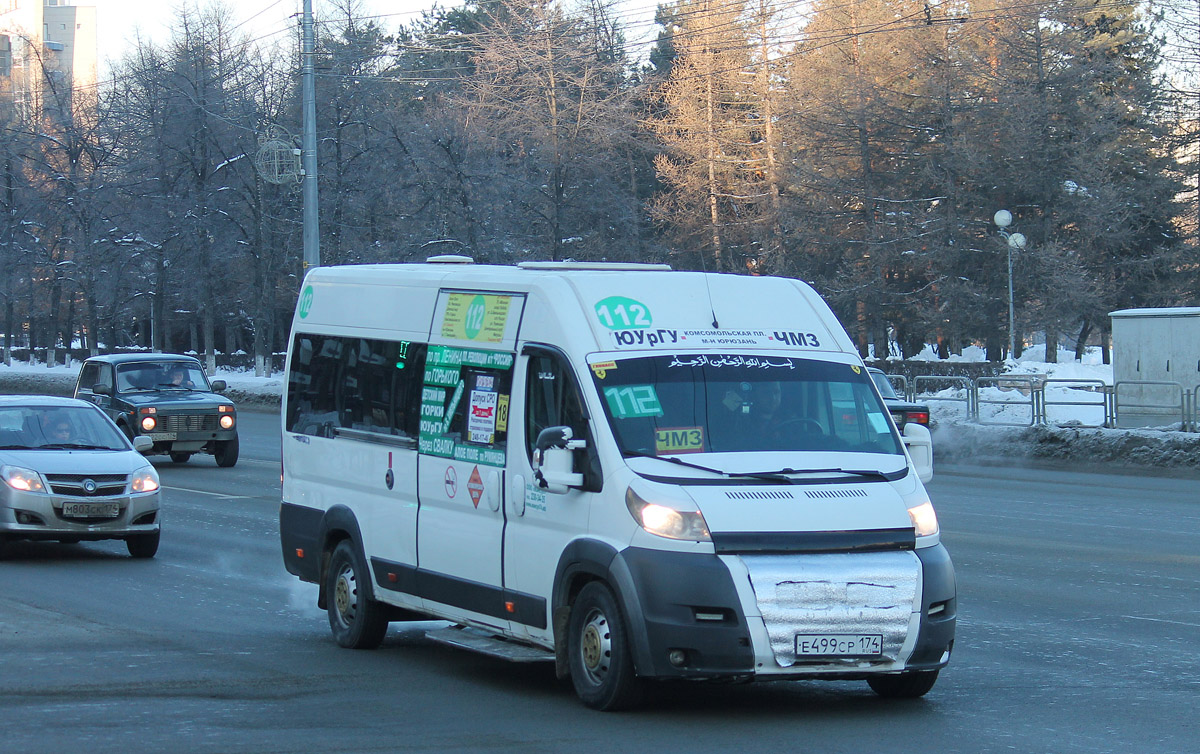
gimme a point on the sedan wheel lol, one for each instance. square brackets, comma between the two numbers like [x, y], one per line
[143, 545]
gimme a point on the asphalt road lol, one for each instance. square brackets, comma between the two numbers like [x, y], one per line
[1079, 631]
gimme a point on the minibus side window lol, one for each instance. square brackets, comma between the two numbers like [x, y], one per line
[481, 416]
[354, 383]
[552, 399]
[379, 389]
[312, 382]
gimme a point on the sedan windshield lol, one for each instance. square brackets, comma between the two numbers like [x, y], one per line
[669, 405]
[58, 428]
[884, 384]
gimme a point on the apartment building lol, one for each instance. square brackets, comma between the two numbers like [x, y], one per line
[47, 51]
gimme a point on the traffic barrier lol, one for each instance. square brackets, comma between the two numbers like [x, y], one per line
[1164, 403]
[1028, 387]
[1097, 387]
[967, 398]
[1128, 403]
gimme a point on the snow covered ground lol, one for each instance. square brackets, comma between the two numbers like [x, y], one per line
[1073, 434]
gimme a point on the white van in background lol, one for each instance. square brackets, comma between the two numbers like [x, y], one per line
[633, 472]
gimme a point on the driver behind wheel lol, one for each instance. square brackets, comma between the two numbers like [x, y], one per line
[755, 413]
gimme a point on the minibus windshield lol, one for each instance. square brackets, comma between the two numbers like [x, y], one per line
[704, 403]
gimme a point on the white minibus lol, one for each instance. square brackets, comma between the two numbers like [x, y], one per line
[638, 474]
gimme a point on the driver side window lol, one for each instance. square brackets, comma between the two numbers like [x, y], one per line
[551, 399]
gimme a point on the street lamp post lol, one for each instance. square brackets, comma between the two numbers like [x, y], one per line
[1016, 242]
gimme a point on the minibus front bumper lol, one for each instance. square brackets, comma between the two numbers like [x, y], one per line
[689, 619]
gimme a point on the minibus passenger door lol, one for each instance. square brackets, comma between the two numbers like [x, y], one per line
[541, 522]
[460, 524]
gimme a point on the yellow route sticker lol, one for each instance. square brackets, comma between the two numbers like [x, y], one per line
[671, 440]
[502, 413]
[476, 316]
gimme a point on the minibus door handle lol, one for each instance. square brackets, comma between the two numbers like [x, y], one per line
[495, 491]
[518, 495]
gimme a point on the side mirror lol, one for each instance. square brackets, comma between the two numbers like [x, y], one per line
[919, 443]
[99, 389]
[554, 460]
[141, 443]
[218, 386]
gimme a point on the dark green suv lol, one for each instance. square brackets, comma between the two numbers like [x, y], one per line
[166, 397]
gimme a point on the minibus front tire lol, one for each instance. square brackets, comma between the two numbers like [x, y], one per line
[600, 657]
[908, 685]
[357, 621]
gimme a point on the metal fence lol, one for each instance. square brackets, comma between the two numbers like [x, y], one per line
[935, 389]
[1030, 400]
[1010, 391]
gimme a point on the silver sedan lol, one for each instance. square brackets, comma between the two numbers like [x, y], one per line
[70, 475]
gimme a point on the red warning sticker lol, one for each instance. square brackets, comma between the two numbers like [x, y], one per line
[475, 486]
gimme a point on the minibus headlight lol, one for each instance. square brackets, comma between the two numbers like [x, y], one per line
[924, 520]
[25, 480]
[665, 521]
[145, 480]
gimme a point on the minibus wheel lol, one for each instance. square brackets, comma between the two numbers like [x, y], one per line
[599, 655]
[356, 621]
[908, 685]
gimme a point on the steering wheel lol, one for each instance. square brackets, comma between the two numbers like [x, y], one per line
[810, 426]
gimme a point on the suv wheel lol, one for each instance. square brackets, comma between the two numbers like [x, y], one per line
[226, 452]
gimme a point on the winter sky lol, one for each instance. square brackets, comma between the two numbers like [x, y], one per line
[120, 21]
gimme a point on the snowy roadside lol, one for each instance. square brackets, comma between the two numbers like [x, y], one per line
[956, 440]
[246, 390]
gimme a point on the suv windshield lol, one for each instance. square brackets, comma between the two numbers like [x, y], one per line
[160, 375]
[668, 405]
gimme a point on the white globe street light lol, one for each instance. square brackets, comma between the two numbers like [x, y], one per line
[1016, 241]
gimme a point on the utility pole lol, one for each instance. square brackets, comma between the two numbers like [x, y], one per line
[312, 238]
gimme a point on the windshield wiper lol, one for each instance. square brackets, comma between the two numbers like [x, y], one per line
[73, 446]
[769, 475]
[887, 476]
[16, 447]
[779, 475]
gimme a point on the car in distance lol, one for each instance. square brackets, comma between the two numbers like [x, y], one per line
[165, 397]
[902, 411]
[70, 475]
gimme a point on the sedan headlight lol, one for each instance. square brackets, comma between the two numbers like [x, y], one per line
[924, 520]
[144, 480]
[665, 521]
[25, 480]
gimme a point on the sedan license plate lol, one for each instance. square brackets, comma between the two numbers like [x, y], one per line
[91, 510]
[839, 645]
